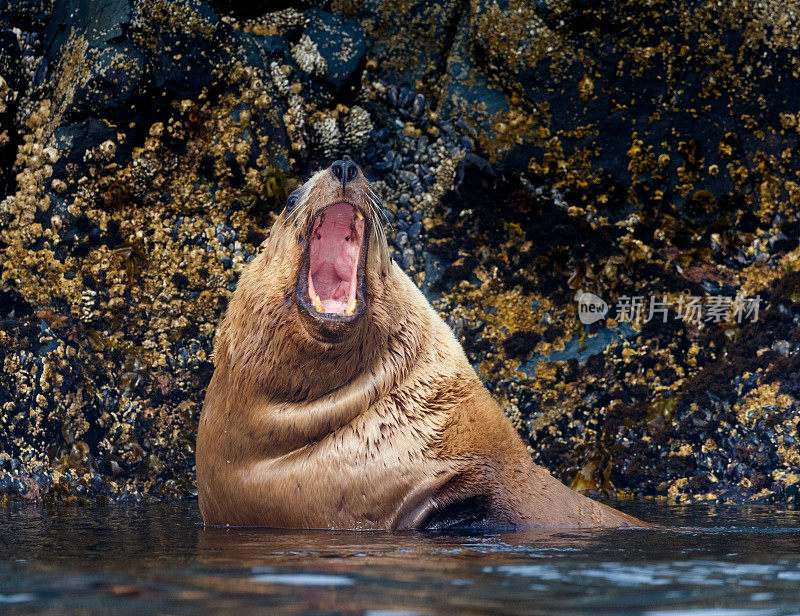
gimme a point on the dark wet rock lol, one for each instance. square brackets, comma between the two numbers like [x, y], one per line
[182, 47]
[10, 56]
[411, 43]
[245, 9]
[24, 14]
[581, 350]
[521, 344]
[474, 174]
[267, 124]
[100, 23]
[466, 84]
[12, 73]
[75, 140]
[257, 50]
[341, 43]
[13, 305]
[113, 84]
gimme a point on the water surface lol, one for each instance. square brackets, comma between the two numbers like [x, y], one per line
[158, 559]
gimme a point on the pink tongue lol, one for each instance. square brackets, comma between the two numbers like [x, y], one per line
[335, 246]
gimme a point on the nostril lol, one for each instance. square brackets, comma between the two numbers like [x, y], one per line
[337, 169]
[352, 172]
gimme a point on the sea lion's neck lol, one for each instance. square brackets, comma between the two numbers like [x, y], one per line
[273, 357]
[288, 426]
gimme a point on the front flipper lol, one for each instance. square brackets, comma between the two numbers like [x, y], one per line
[474, 512]
[444, 504]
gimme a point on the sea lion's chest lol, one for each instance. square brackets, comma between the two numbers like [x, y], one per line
[358, 476]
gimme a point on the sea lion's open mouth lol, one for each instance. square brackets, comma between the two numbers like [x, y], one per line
[331, 279]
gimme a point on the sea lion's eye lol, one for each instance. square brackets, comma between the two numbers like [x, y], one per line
[291, 202]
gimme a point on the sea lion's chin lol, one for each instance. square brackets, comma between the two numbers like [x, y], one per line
[330, 290]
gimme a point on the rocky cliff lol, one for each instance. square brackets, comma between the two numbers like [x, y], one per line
[525, 152]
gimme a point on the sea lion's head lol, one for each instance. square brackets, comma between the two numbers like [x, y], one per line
[335, 217]
[311, 310]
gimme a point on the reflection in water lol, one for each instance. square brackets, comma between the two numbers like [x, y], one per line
[158, 559]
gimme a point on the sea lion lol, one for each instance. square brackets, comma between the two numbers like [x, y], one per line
[341, 400]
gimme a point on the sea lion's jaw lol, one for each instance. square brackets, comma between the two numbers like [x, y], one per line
[330, 283]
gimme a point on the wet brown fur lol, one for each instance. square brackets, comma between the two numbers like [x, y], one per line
[384, 426]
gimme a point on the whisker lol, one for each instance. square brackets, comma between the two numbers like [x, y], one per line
[378, 230]
[378, 205]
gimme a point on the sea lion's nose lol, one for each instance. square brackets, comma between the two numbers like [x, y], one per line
[345, 171]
